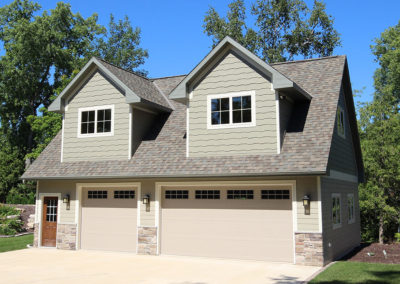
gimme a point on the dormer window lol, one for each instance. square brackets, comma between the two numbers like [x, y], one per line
[231, 110]
[340, 122]
[96, 121]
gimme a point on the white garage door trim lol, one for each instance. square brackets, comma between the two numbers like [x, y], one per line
[290, 183]
[78, 212]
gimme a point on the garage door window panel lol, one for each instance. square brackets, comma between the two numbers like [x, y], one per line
[207, 194]
[124, 194]
[97, 194]
[275, 194]
[240, 194]
[177, 194]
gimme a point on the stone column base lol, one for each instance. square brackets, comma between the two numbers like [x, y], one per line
[309, 249]
[66, 236]
[36, 235]
[147, 240]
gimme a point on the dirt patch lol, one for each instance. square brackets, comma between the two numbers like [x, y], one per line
[374, 253]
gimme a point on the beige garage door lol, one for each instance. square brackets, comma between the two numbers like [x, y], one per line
[109, 219]
[230, 223]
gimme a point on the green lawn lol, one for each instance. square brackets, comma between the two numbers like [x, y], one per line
[14, 243]
[359, 272]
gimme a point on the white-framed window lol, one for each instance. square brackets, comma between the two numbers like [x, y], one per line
[231, 110]
[340, 122]
[336, 212]
[96, 121]
[350, 208]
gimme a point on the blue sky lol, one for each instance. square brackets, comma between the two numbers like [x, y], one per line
[173, 34]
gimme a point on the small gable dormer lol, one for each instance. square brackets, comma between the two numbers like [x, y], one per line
[106, 112]
[233, 100]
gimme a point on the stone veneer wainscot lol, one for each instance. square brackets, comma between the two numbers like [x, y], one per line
[309, 249]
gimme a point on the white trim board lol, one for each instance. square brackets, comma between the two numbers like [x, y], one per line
[95, 134]
[252, 94]
[40, 212]
[78, 209]
[319, 204]
[158, 198]
[278, 127]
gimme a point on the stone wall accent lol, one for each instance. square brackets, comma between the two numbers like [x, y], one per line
[309, 249]
[36, 235]
[147, 240]
[66, 236]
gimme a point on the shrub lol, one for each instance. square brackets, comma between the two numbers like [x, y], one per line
[7, 211]
[9, 226]
[22, 194]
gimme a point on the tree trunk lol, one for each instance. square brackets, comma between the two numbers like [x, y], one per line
[381, 230]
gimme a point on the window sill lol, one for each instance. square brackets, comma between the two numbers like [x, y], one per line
[94, 135]
[351, 221]
[230, 126]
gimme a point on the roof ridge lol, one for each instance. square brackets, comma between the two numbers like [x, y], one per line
[173, 76]
[116, 66]
[307, 60]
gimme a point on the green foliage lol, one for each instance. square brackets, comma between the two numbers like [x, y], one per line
[9, 226]
[15, 243]
[397, 237]
[380, 142]
[359, 272]
[43, 52]
[7, 211]
[23, 193]
[284, 29]
[120, 45]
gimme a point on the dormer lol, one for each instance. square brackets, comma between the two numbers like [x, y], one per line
[234, 101]
[106, 112]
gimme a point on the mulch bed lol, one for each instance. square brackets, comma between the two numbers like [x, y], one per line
[375, 250]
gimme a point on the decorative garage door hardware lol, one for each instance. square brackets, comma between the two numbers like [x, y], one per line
[207, 194]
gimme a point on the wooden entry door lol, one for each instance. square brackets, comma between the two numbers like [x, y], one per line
[49, 221]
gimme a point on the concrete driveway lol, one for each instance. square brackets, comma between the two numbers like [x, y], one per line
[74, 267]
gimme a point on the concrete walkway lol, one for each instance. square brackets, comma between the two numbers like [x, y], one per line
[74, 267]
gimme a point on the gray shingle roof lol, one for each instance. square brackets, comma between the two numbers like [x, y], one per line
[304, 152]
[141, 86]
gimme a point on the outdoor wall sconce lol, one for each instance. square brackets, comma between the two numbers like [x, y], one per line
[306, 204]
[66, 200]
[146, 199]
[306, 200]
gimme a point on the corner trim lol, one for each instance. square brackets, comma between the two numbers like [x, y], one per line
[278, 127]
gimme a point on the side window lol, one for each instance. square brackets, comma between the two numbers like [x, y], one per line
[350, 208]
[231, 110]
[95, 121]
[340, 122]
[336, 212]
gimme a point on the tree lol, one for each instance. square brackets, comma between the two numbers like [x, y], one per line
[380, 142]
[42, 54]
[121, 45]
[284, 29]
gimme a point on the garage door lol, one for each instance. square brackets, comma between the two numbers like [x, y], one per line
[109, 219]
[250, 223]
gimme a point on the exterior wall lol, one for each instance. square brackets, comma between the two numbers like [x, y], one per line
[309, 249]
[232, 75]
[306, 224]
[147, 240]
[338, 242]
[342, 156]
[141, 124]
[66, 236]
[285, 111]
[96, 92]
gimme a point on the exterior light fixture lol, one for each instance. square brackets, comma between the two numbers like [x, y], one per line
[66, 198]
[146, 199]
[306, 200]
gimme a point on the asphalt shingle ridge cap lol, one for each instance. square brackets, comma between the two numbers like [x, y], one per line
[128, 71]
[307, 60]
[173, 76]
